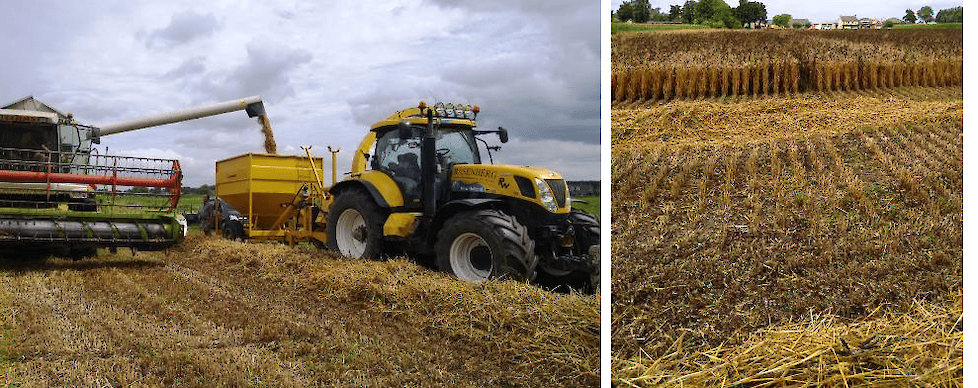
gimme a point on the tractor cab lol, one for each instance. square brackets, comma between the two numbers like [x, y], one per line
[398, 154]
[396, 143]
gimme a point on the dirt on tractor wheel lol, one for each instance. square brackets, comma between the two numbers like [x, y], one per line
[220, 313]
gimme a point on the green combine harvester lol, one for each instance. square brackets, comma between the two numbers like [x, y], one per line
[60, 197]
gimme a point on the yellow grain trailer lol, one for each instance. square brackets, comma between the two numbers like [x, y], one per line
[279, 195]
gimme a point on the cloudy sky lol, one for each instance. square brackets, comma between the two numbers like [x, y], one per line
[325, 71]
[829, 10]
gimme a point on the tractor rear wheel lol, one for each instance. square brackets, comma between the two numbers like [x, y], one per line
[485, 244]
[356, 225]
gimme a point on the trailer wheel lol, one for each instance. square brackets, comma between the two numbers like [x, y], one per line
[232, 232]
[485, 244]
[356, 225]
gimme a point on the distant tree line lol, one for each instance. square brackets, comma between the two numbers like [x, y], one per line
[717, 13]
[203, 189]
[951, 15]
[926, 14]
[584, 188]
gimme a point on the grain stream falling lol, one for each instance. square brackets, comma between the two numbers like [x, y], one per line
[266, 130]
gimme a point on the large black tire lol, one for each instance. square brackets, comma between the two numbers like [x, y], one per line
[587, 232]
[232, 230]
[485, 244]
[356, 225]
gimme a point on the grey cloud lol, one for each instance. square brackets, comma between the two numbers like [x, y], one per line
[543, 72]
[34, 36]
[489, 72]
[266, 71]
[569, 21]
[183, 28]
[191, 67]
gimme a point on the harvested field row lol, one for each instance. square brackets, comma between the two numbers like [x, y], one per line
[643, 126]
[220, 313]
[726, 239]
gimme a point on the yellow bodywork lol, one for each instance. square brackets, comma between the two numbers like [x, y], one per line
[500, 180]
[384, 185]
[401, 224]
[360, 157]
[494, 179]
[258, 185]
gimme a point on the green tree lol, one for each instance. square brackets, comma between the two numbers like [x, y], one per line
[658, 16]
[688, 12]
[637, 11]
[674, 12]
[782, 20]
[642, 11]
[910, 17]
[713, 12]
[951, 15]
[926, 13]
[750, 12]
[624, 11]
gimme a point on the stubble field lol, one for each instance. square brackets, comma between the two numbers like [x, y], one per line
[214, 313]
[788, 238]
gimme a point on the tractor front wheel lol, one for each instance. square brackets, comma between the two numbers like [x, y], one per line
[587, 233]
[485, 244]
[356, 226]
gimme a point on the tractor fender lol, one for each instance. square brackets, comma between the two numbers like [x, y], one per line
[380, 186]
[453, 207]
[365, 186]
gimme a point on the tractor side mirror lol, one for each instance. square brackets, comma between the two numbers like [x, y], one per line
[404, 130]
[503, 135]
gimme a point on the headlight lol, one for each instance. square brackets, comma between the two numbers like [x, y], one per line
[452, 110]
[546, 196]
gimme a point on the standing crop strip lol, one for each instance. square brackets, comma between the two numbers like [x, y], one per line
[694, 65]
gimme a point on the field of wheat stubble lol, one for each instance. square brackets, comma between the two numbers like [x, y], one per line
[805, 230]
[214, 313]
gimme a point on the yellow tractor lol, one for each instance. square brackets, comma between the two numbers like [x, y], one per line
[418, 185]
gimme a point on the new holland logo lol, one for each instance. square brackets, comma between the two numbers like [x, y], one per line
[503, 184]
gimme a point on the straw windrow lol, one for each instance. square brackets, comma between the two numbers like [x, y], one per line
[923, 348]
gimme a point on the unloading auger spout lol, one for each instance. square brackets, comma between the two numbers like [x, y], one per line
[252, 105]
